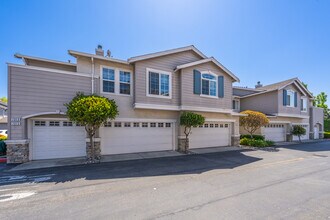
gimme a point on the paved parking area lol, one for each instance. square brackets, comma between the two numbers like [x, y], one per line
[292, 183]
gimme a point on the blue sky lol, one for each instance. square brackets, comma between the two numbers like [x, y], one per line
[256, 39]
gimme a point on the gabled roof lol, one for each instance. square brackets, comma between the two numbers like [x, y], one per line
[282, 85]
[26, 58]
[166, 52]
[77, 53]
[211, 59]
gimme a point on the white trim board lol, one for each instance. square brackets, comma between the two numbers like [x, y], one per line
[159, 72]
[51, 70]
[18, 55]
[43, 113]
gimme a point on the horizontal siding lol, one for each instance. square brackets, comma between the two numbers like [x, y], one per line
[166, 63]
[266, 103]
[50, 65]
[35, 91]
[188, 98]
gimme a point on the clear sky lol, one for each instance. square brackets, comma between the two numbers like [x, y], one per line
[257, 40]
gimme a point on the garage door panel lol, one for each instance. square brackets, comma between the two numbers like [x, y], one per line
[203, 137]
[275, 132]
[50, 142]
[121, 140]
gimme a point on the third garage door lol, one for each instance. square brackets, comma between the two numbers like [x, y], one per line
[211, 134]
[133, 137]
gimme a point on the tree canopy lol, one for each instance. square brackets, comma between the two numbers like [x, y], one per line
[253, 121]
[4, 99]
[298, 130]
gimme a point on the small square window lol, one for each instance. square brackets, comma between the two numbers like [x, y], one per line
[108, 124]
[216, 125]
[54, 123]
[211, 125]
[136, 124]
[200, 126]
[152, 125]
[67, 124]
[127, 124]
[206, 125]
[160, 125]
[226, 125]
[117, 124]
[78, 125]
[144, 124]
[168, 125]
[221, 125]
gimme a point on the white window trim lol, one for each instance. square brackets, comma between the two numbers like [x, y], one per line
[237, 105]
[216, 87]
[159, 72]
[291, 103]
[117, 80]
[301, 107]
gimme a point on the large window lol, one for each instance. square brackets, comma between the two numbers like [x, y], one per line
[303, 105]
[209, 84]
[159, 83]
[116, 81]
[290, 98]
[108, 80]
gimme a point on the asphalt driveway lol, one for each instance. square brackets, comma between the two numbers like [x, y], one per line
[292, 183]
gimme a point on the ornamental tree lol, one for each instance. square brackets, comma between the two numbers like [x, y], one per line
[91, 111]
[298, 130]
[253, 121]
[189, 120]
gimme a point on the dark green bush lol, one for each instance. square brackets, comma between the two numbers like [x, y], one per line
[327, 125]
[3, 148]
[327, 134]
[256, 143]
[255, 136]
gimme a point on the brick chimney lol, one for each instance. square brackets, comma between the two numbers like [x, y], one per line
[99, 51]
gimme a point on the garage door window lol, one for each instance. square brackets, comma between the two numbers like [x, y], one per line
[39, 123]
[168, 125]
[127, 124]
[67, 124]
[54, 123]
[136, 124]
[117, 124]
[144, 124]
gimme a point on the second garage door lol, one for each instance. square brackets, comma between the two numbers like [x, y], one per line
[275, 132]
[133, 137]
[211, 134]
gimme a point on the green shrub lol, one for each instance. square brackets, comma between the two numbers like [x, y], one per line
[256, 142]
[3, 148]
[255, 136]
[327, 125]
[327, 134]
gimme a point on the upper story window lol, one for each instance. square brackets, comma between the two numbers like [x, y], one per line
[303, 105]
[209, 84]
[108, 76]
[290, 98]
[235, 104]
[116, 81]
[125, 82]
[159, 83]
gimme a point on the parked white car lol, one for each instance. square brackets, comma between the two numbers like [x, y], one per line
[3, 132]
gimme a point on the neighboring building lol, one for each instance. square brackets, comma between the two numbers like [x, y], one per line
[3, 116]
[151, 91]
[285, 103]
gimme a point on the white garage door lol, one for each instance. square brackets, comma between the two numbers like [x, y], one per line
[57, 139]
[304, 137]
[133, 137]
[275, 132]
[211, 134]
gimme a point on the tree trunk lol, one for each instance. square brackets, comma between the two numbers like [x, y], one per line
[186, 145]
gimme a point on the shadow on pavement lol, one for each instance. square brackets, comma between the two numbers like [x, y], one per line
[180, 165]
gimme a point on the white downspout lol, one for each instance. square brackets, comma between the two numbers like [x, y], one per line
[92, 75]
